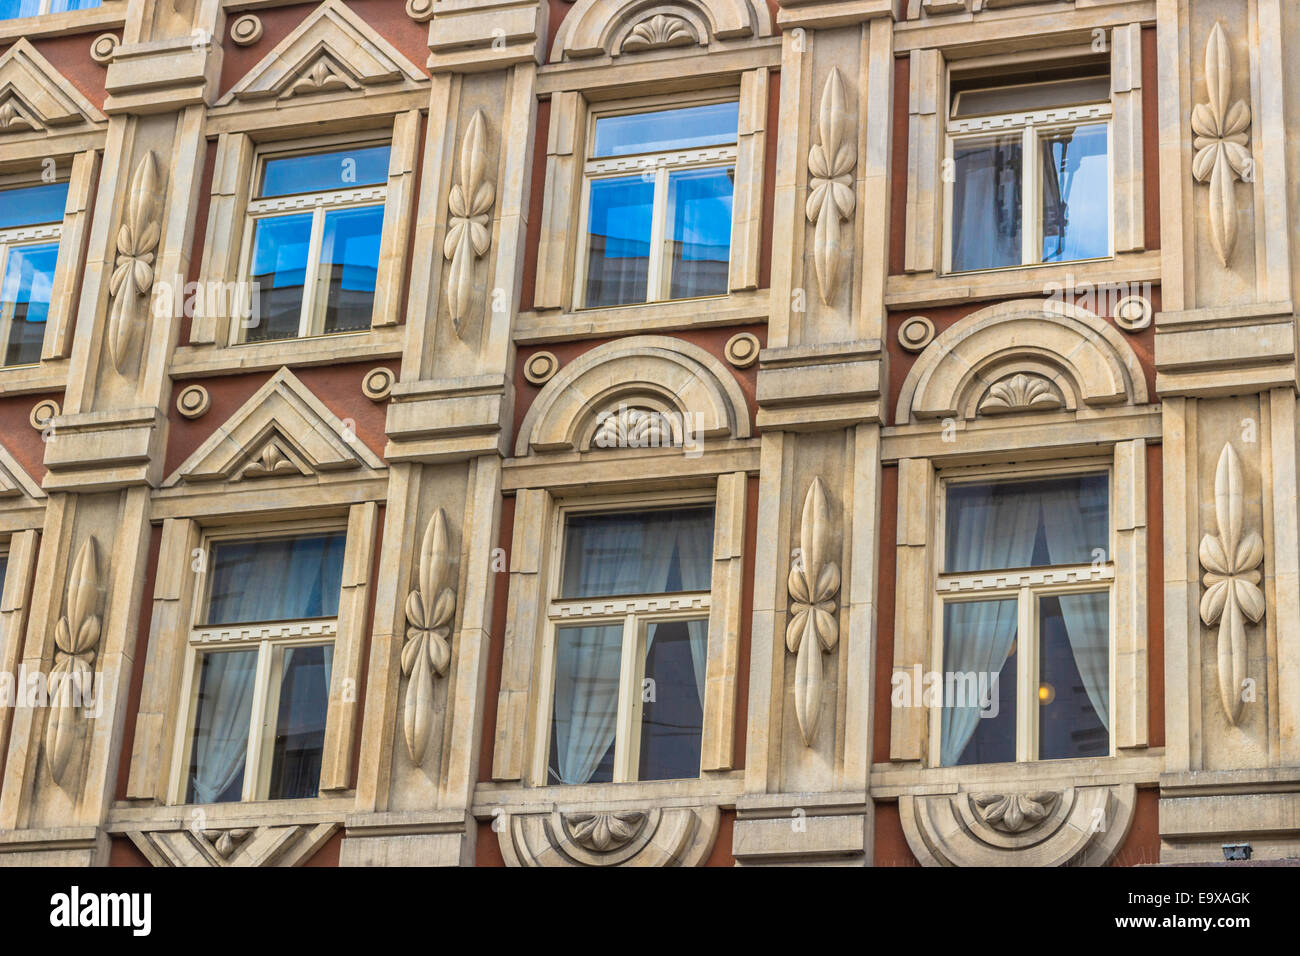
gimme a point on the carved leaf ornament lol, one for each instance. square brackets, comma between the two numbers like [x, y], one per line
[1015, 812]
[830, 186]
[1232, 595]
[1221, 155]
[813, 630]
[75, 638]
[605, 831]
[467, 229]
[133, 272]
[429, 610]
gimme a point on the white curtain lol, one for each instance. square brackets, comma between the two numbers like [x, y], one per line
[986, 217]
[277, 579]
[1086, 616]
[221, 725]
[979, 634]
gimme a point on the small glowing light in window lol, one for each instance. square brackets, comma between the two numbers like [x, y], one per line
[1046, 693]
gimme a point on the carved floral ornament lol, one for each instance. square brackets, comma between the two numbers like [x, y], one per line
[604, 831]
[831, 200]
[607, 837]
[658, 32]
[1221, 137]
[1015, 812]
[76, 637]
[813, 629]
[430, 607]
[1020, 393]
[133, 272]
[1232, 594]
[469, 204]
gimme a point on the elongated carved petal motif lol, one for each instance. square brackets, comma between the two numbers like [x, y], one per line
[133, 272]
[1220, 142]
[467, 228]
[830, 186]
[813, 629]
[429, 610]
[76, 637]
[1232, 594]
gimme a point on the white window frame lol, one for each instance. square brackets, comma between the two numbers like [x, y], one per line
[311, 315]
[636, 613]
[1031, 124]
[662, 163]
[1027, 587]
[20, 237]
[265, 638]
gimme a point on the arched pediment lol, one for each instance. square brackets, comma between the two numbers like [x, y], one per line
[612, 27]
[1020, 356]
[653, 373]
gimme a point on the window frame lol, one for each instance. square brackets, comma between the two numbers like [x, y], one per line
[636, 612]
[616, 167]
[311, 312]
[16, 237]
[266, 638]
[1027, 586]
[1031, 124]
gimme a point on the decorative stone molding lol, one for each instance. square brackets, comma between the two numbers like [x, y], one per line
[540, 367]
[658, 32]
[1221, 137]
[378, 384]
[630, 426]
[1085, 358]
[35, 97]
[285, 414]
[830, 186]
[469, 204]
[1020, 393]
[915, 333]
[290, 845]
[76, 638]
[675, 836]
[742, 349]
[1015, 812]
[42, 412]
[193, 402]
[1133, 313]
[813, 630]
[604, 831]
[1232, 593]
[430, 607]
[601, 27]
[103, 47]
[246, 30]
[421, 11]
[1081, 826]
[133, 272]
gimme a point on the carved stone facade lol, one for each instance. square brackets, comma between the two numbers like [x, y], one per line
[840, 374]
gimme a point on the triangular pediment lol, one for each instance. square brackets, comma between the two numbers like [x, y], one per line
[282, 431]
[332, 51]
[35, 97]
[15, 483]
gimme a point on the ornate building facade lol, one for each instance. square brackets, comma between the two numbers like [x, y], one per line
[648, 432]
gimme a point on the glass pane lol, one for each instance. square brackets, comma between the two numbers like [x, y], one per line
[649, 552]
[979, 682]
[986, 202]
[19, 8]
[300, 721]
[25, 300]
[225, 705]
[1076, 194]
[1023, 97]
[32, 205]
[280, 248]
[698, 232]
[618, 253]
[1027, 524]
[687, 128]
[672, 699]
[1074, 668]
[585, 718]
[318, 172]
[61, 6]
[349, 262]
[276, 579]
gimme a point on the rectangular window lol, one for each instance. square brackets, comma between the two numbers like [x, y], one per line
[313, 243]
[10, 9]
[1025, 598]
[261, 668]
[631, 645]
[31, 219]
[658, 205]
[1028, 173]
